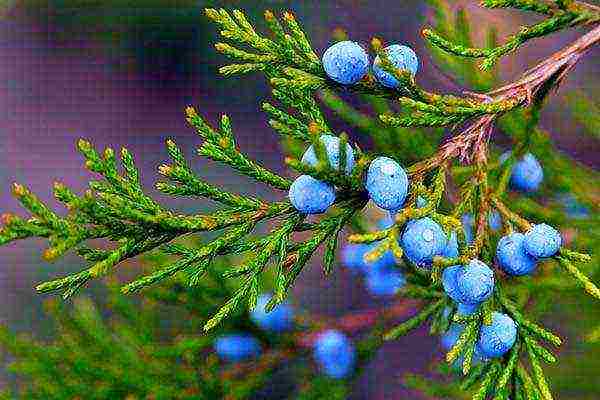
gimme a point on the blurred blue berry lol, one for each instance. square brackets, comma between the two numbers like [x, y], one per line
[423, 239]
[527, 174]
[334, 354]
[310, 196]
[280, 319]
[387, 183]
[332, 147]
[448, 341]
[236, 347]
[421, 202]
[468, 223]
[346, 62]
[353, 256]
[573, 208]
[475, 282]
[402, 57]
[512, 257]
[542, 241]
[499, 337]
[450, 337]
[383, 263]
[384, 283]
[494, 220]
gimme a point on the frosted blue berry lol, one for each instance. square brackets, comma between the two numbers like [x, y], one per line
[384, 283]
[346, 62]
[332, 147]
[353, 256]
[310, 196]
[402, 57]
[387, 183]
[280, 319]
[499, 337]
[422, 240]
[449, 277]
[542, 241]
[527, 174]
[236, 347]
[451, 249]
[512, 257]
[421, 202]
[475, 282]
[334, 354]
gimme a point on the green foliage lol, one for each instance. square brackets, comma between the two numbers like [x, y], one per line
[117, 209]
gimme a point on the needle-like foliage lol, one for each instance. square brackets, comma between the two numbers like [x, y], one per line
[462, 175]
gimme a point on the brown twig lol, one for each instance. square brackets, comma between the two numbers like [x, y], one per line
[471, 143]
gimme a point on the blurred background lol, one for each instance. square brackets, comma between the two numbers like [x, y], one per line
[121, 73]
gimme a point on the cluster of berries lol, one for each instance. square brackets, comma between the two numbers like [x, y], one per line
[333, 352]
[518, 253]
[469, 286]
[347, 62]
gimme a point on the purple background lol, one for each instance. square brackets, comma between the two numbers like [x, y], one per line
[60, 81]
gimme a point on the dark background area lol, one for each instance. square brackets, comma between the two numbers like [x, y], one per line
[121, 73]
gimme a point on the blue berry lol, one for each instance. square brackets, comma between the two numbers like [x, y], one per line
[451, 249]
[527, 174]
[573, 208]
[332, 147]
[449, 277]
[310, 196]
[449, 339]
[402, 57]
[422, 240]
[465, 309]
[512, 257]
[475, 282]
[387, 183]
[542, 241]
[353, 256]
[236, 347]
[280, 319]
[334, 354]
[499, 337]
[383, 263]
[346, 62]
[384, 283]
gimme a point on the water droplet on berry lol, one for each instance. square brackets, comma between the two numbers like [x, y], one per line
[427, 235]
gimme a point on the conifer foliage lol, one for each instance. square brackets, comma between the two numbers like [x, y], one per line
[476, 285]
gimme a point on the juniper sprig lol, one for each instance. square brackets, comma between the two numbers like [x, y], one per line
[450, 276]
